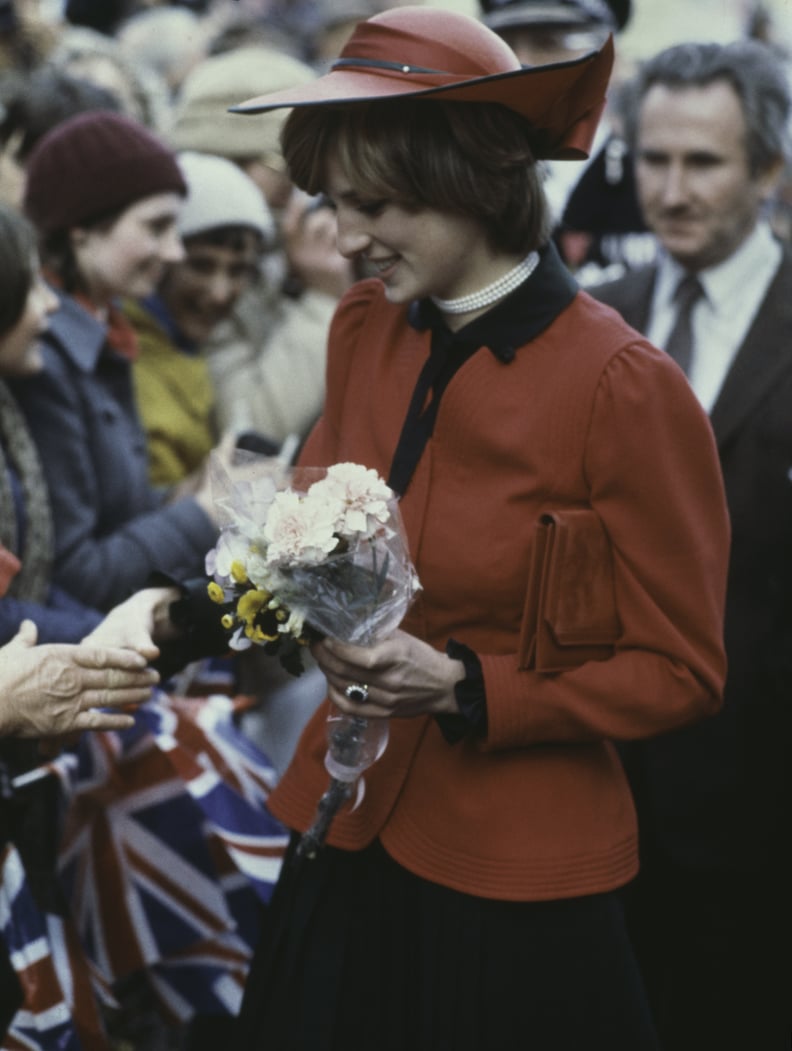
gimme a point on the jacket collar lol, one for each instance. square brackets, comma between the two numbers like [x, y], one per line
[78, 333]
[158, 310]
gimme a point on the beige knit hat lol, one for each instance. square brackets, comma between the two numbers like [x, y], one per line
[220, 194]
[201, 121]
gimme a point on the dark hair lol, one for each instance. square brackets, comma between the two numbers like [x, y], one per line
[234, 237]
[36, 103]
[467, 158]
[57, 252]
[17, 254]
[753, 70]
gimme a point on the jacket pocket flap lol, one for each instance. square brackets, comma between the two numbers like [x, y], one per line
[579, 604]
[570, 615]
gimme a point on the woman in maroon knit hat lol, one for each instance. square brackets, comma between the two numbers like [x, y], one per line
[104, 194]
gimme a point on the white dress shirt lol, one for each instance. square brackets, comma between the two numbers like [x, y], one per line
[733, 292]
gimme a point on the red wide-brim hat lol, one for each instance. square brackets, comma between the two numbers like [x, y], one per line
[420, 52]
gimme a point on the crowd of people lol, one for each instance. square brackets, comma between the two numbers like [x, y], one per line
[547, 302]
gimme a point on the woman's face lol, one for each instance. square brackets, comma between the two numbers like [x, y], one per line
[130, 257]
[414, 253]
[20, 353]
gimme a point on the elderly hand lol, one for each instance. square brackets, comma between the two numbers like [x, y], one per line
[58, 689]
[403, 675]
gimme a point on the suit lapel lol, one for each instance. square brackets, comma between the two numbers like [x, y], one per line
[764, 355]
[631, 295]
[644, 292]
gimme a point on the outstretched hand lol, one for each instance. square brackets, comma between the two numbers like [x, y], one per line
[403, 675]
[59, 689]
[140, 623]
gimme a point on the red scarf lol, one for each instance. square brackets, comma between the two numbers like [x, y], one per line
[121, 336]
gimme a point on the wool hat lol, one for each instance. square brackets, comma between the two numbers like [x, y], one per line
[220, 194]
[201, 120]
[560, 14]
[94, 164]
[422, 52]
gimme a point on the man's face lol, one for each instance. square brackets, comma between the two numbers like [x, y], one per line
[201, 291]
[695, 184]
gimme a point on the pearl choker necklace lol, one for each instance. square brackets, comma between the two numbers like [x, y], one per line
[492, 293]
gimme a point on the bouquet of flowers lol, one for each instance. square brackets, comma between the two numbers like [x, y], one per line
[324, 554]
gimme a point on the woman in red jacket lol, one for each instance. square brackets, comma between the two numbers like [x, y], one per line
[563, 504]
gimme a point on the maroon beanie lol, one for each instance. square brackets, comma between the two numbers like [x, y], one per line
[92, 165]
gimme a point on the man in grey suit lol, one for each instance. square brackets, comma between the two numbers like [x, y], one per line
[710, 911]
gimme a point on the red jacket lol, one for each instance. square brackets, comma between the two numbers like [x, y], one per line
[588, 414]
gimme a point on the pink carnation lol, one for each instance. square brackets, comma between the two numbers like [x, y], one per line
[298, 531]
[359, 496]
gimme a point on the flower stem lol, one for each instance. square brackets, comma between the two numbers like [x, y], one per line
[312, 841]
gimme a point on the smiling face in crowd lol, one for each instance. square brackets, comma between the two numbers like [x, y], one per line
[695, 182]
[129, 255]
[201, 290]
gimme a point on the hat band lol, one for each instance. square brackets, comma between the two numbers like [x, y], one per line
[378, 63]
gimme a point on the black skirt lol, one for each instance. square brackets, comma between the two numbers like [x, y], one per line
[358, 954]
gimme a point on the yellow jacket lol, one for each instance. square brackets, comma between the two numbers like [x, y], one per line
[175, 398]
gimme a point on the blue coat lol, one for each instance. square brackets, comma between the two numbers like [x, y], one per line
[59, 618]
[112, 528]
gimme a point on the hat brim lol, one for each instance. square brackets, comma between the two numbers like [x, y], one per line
[563, 102]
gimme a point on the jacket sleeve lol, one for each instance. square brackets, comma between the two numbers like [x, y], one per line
[655, 481]
[61, 619]
[102, 557]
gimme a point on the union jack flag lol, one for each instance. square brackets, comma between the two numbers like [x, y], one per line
[208, 974]
[59, 1008]
[168, 851]
[229, 779]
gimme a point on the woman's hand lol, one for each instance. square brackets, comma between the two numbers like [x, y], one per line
[310, 241]
[58, 689]
[139, 623]
[403, 675]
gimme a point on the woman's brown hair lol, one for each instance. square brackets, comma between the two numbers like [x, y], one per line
[466, 158]
[58, 257]
[17, 260]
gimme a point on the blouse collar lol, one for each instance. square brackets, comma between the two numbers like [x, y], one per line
[516, 320]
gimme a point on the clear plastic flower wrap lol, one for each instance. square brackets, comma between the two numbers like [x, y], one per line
[305, 553]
